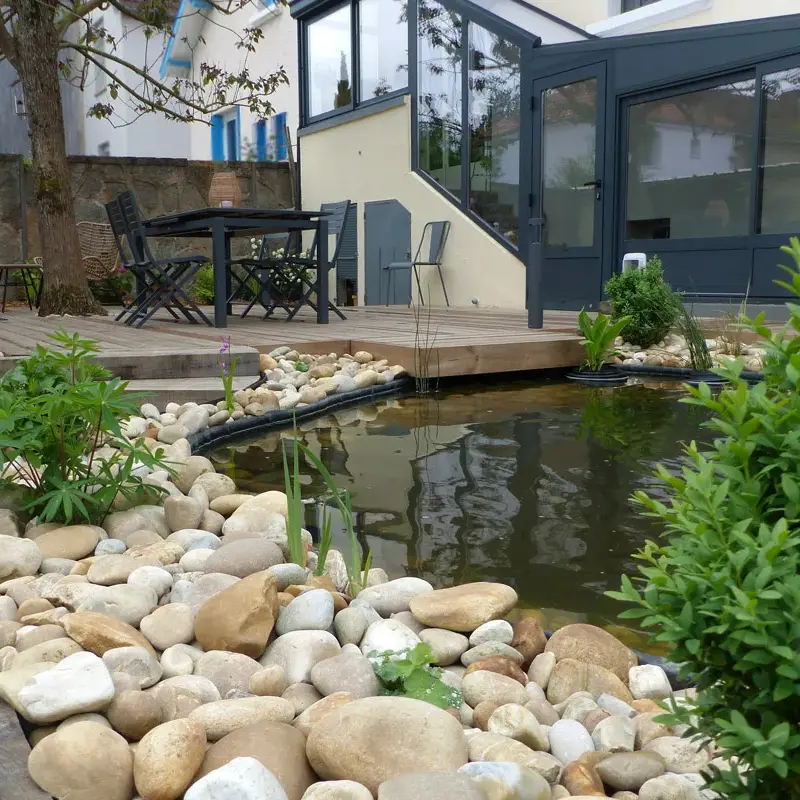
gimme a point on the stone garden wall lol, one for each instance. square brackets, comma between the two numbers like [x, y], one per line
[162, 186]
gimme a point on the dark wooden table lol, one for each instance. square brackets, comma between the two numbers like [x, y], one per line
[221, 224]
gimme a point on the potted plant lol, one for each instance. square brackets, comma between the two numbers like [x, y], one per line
[598, 342]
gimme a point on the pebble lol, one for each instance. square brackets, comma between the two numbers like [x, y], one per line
[128, 604]
[388, 636]
[268, 681]
[19, 557]
[297, 652]
[107, 547]
[439, 785]
[229, 672]
[155, 578]
[616, 734]
[447, 646]
[669, 787]
[494, 631]
[629, 771]
[137, 662]
[312, 610]
[345, 673]
[222, 717]
[169, 625]
[393, 596]
[491, 649]
[569, 740]
[239, 779]
[680, 755]
[518, 723]
[490, 687]
[134, 713]
[649, 681]
[520, 782]
[245, 557]
[337, 790]
[179, 659]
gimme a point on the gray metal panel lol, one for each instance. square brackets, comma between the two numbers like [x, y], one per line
[387, 238]
[347, 265]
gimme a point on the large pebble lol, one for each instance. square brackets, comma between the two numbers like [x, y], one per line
[337, 790]
[179, 659]
[156, 578]
[592, 645]
[629, 771]
[18, 557]
[134, 713]
[447, 646]
[570, 676]
[72, 541]
[463, 608]
[346, 673]
[229, 672]
[196, 594]
[649, 681]
[389, 598]
[137, 662]
[498, 630]
[268, 681]
[425, 785]
[287, 575]
[169, 625]
[516, 722]
[616, 734]
[182, 512]
[239, 779]
[112, 569]
[222, 717]
[350, 624]
[489, 686]
[310, 611]
[388, 636]
[680, 755]
[401, 735]
[669, 787]
[99, 633]
[521, 782]
[129, 604]
[194, 539]
[297, 652]
[245, 557]
[569, 740]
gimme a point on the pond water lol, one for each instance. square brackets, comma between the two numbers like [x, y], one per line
[527, 483]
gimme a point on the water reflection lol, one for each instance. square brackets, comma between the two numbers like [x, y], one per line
[527, 483]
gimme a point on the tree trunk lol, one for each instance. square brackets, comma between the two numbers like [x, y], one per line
[66, 290]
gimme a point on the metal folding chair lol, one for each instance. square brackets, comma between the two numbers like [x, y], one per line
[436, 234]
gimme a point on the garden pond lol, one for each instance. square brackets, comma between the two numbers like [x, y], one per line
[527, 482]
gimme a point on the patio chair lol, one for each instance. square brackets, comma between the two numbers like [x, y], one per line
[99, 253]
[435, 233]
[19, 275]
[160, 281]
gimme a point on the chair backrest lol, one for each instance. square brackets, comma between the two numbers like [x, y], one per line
[137, 240]
[435, 233]
[117, 222]
[337, 219]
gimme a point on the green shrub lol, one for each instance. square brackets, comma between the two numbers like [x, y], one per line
[203, 286]
[57, 409]
[643, 295]
[724, 589]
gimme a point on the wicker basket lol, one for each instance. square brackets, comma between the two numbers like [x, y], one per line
[225, 189]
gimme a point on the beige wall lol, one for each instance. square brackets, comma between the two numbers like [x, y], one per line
[734, 11]
[370, 159]
[578, 12]
[277, 48]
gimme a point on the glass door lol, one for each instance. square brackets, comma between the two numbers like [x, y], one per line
[568, 149]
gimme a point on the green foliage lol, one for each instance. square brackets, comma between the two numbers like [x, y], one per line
[57, 409]
[695, 339]
[203, 286]
[294, 496]
[301, 366]
[413, 675]
[643, 295]
[598, 338]
[724, 589]
[325, 541]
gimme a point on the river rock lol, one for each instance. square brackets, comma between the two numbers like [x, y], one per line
[680, 755]
[501, 666]
[669, 787]
[194, 539]
[569, 740]
[99, 633]
[72, 541]
[53, 651]
[239, 779]
[18, 557]
[389, 598]
[277, 746]
[649, 681]
[112, 569]
[78, 684]
[350, 624]
[169, 625]
[240, 618]
[615, 706]
[388, 636]
[179, 659]
[156, 578]
[447, 646]
[337, 790]
[182, 512]
[425, 785]
[229, 672]
[312, 610]
[629, 771]
[616, 734]
[215, 484]
[497, 630]
[196, 594]
[297, 652]
[228, 503]
[529, 640]
[463, 608]
[521, 782]
[167, 758]
[647, 729]
[137, 662]
[346, 673]
[268, 681]
[484, 686]
[134, 713]
[129, 604]
[400, 734]
[84, 760]
[315, 712]
[570, 676]
[245, 557]
[222, 717]
[490, 650]
[516, 722]
[287, 575]
[592, 645]
[28, 637]
[109, 547]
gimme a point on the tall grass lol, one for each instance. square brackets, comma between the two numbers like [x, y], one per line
[690, 328]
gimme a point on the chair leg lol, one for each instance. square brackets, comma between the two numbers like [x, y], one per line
[388, 286]
[27, 288]
[5, 289]
[444, 289]
[419, 286]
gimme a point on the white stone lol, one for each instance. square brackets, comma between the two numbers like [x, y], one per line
[110, 547]
[309, 611]
[179, 660]
[76, 685]
[669, 787]
[569, 740]
[649, 682]
[239, 779]
[617, 734]
[155, 578]
[18, 557]
[388, 636]
[497, 630]
[389, 598]
[297, 652]
[136, 662]
[615, 706]
[516, 722]
[523, 784]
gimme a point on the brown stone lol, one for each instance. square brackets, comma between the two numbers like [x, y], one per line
[647, 706]
[570, 676]
[500, 665]
[279, 747]
[72, 541]
[481, 714]
[284, 598]
[582, 780]
[314, 713]
[529, 639]
[463, 608]
[99, 633]
[321, 582]
[594, 718]
[592, 645]
[134, 714]
[33, 605]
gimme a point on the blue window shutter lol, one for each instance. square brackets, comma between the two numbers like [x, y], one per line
[261, 140]
[281, 145]
[217, 138]
[238, 156]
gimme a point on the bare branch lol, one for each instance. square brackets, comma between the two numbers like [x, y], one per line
[8, 47]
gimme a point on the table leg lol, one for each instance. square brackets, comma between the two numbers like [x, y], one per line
[218, 254]
[322, 272]
[228, 292]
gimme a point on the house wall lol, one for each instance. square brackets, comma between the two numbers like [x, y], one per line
[373, 162]
[277, 48]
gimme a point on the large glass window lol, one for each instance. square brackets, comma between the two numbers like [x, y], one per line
[330, 62]
[440, 94]
[494, 120]
[384, 47]
[689, 163]
[780, 161]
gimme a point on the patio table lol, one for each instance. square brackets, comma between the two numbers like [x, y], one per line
[221, 224]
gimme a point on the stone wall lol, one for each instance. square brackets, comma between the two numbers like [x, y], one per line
[162, 186]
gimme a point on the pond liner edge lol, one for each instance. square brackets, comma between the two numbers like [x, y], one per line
[681, 372]
[275, 420]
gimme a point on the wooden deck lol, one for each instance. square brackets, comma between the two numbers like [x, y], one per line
[462, 341]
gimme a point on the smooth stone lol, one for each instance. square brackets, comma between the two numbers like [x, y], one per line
[415, 736]
[192, 469]
[222, 717]
[239, 779]
[151, 577]
[110, 547]
[647, 729]
[134, 713]
[86, 761]
[112, 569]
[489, 686]
[28, 637]
[182, 512]
[286, 575]
[196, 560]
[669, 787]
[337, 790]
[389, 598]
[271, 502]
[169, 625]
[53, 651]
[649, 682]
[211, 522]
[61, 566]
[680, 755]
[406, 618]
[350, 624]
[522, 783]
[426, 785]
[312, 610]
[129, 604]
[167, 758]
[388, 636]
[72, 541]
[447, 646]
[255, 521]
[629, 771]
[491, 649]
[215, 484]
[19, 557]
[244, 558]
[301, 696]
[569, 740]
[529, 639]
[346, 673]
[297, 652]
[199, 592]
[277, 746]
[570, 676]
[592, 645]
[502, 666]
[268, 681]
[498, 630]
[463, 608]
[77, 684]
[229, 672]
[228, 503]
[336, 570]
[315, 712]
[99, 633]
[516, 722]
[616, 734]
[137, 662]
[615, 706]
[179, 659]
[194, 539]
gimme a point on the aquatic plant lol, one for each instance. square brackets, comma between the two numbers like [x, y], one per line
[227, 371]
[598, 338]
[690, 329]
[295, 516]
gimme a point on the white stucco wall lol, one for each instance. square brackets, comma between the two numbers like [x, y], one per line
[372, 159]
[277, 48]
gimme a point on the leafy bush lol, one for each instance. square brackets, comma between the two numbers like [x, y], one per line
[203, 286]
[724, 590]
[58, 408]
[598, 338]
[413, 675]
[643, 295]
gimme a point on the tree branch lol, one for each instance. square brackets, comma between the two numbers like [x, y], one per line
[8, 47]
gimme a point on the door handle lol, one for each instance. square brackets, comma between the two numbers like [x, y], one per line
[598, 184]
